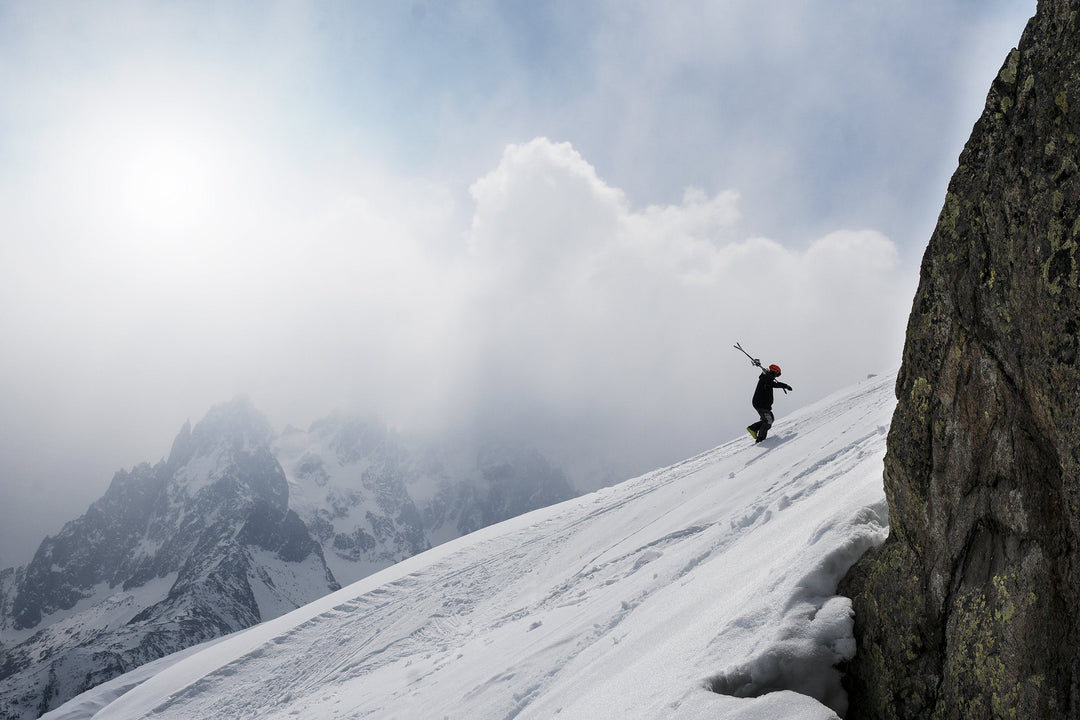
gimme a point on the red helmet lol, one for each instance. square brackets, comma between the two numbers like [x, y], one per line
[775, 370]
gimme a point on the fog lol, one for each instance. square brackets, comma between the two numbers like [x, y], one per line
[546, 221]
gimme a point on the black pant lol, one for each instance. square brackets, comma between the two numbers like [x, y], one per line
[761, 427]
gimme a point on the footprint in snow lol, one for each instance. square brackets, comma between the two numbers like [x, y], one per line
[750, 518]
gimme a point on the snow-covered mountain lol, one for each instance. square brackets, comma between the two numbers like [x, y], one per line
[703, 590]
[237, 527]
[172, 555]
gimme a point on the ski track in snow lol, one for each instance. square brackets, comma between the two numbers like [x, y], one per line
[632, 602]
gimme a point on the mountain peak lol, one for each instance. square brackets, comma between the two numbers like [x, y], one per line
[235, 424]
[171, 555]
[237, 421]
[181, 447]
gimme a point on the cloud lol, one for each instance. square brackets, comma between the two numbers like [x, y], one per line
[591, 322]
[555, 312]
[822, 115]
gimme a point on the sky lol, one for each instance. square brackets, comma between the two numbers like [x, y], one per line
[549, 221]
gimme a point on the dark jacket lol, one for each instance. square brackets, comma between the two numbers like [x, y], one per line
[763, 393]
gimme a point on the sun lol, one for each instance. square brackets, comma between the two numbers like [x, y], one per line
[156, 170]
[166, 179]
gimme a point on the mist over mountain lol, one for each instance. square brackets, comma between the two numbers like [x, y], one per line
[373, 496]
[236, 527]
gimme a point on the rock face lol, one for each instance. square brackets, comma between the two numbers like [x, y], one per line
[969, 609]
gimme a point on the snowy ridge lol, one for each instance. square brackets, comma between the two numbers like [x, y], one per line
[702, 590]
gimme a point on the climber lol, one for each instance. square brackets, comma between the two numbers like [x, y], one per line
[763, 400]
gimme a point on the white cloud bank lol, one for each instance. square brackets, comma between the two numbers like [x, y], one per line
[558, 313]
[592, 322]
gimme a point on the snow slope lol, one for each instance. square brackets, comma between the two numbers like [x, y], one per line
[637, 601]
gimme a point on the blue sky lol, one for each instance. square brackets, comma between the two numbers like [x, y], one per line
[550, 218]
[829, 109]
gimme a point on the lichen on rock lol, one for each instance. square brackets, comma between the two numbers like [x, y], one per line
[969, 609]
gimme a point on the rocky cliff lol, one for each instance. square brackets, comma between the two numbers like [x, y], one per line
[970, 609]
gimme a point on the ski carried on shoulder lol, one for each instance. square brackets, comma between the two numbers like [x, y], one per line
[753, 360]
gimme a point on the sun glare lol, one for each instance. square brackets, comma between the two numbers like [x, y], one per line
[166, 179]
[159, 171]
